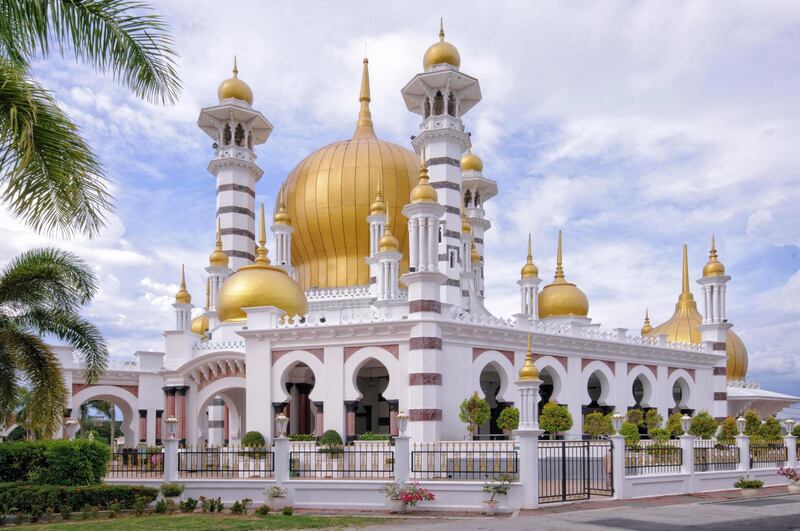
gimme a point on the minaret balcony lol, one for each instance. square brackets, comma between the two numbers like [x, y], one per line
[236, 152]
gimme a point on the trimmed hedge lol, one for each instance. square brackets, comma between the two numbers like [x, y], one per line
[19, 497]
[79, 462]
[253, 439]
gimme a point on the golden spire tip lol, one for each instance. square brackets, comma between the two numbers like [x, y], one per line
[530, 250]
[262, 236]
[559, 267]
[441, 29]
[685, 279]
[183, 277]
[235, 67]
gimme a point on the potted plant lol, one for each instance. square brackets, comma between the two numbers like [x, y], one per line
[400, 497]
[331, 452]
[499, 486]
[508, 420]
[276, 497]
[793, 476]
[474, 412]
[749, 487]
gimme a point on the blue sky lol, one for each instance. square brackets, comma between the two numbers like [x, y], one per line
[632, 126]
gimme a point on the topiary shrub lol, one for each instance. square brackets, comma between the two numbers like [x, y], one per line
[674, 424]
[770, 429]
[172, 490]
[752, 423]
[703, 425]
[474, 411]
[630, 431]
[727, 431]
[369, 436]
[636, 417]
[653, 420]
[253, 439]
[508, 419]
[302, 437]
[331, 442]
[659, 434]
[597, 425]
[555, 418]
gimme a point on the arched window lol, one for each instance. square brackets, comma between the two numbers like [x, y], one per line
[226, 135]
[451, 105]
[477, 199]
[440, 234]
[438, 104]
[452, 259]
[426, 107]
[239, 136]
[468, 198]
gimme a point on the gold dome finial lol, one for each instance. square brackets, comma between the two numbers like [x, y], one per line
[261, 251]
[441, 52]
[235, 87]
[218, 258]
[441, 29]
[183, 296]
[714, 267]
[529, 270]
[378, 206]
[423, 191]
[388, 242]
[686, 294]
[282, 216]
[559, 266]
[364, 127]
[561, 298]
[646, 328]
[529, 372]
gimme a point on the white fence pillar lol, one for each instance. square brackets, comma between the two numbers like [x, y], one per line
[281, 459]
[170, 459]
[743, 443]
[402, 461]
[687, 461]
[791, 450]
[618, 468]
[529, 466]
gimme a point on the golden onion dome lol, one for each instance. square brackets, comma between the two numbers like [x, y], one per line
[471, 162]
[388, 242]
[713, 267]
[328, 195]
[282, 216]
[378, 205]
[529, 270]
[528, 371]
[466, 228]
[235, 88]
[218, 258]
[646, 328]
[183, 296]
[260, 284]
[475, 257]
[423, 192]
[682, 328]
[200, 324]
[561, 298]
[441, 52]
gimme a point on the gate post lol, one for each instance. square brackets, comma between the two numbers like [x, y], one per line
[402, 464]
[281, 459]
[171, 459]
[528, 432]
[687, 461]
[618, 466]
[790, 441]
[743, 443]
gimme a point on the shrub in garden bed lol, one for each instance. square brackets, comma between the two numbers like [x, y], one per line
[79, 462]
[26, 498]
[302, 437]
[171, 490]
[188, 505]
[369, 436]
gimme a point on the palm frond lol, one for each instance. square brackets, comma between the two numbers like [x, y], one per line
[122, 37]
[51, 178]
[8, 387]
[46, 279]
[77, 332]
[42, 370]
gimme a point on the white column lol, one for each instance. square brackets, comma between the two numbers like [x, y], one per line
[433, 246]
[170, 459]
[413, 242]
[743, 443]
[618, 467]
[790, 441]
[402, 463]
[281, 457]
[687, 467]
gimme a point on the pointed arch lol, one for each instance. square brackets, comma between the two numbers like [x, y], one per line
[281, 368]
[606, 377]
[504, 369]
[357, 360]
[648, 380]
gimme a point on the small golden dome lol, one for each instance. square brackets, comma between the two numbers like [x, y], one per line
[423, 191]
[561, 298]
[475, 256]
[737, 356]
[466, 228]
[260, 284]
[441, 52]
[183, 296]
[646, 328]
[714, 267]
[528, 371]
[282, 216]
[378, 206]
[235, 88]
[529, 270]
[200, 324]
[388, 242]
[471, 162]
[218, 258]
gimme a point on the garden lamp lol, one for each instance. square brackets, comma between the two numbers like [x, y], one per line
[616, 421]
[402, 422]
[740, 424]
[72, 426]
[686, 423]
[172, 426]
[789, 424]
[281, 422]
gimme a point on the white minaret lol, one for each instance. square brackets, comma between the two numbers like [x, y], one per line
[477, 189]
[282, 229]
[218, 271]
[388, 262]
[529, 286]
[377, 221]
[235, 128]
[183, 306]
[442, 95]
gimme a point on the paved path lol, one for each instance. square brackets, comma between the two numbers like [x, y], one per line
[761, 514]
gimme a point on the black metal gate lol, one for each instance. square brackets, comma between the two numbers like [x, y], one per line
[574, 470]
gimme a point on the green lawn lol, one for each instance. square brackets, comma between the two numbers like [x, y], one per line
[215, 522]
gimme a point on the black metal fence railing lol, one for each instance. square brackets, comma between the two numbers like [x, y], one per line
[468, 460]
[768, 455]
[136, 463]
[665, 457]
[228, 462]
[710, 456]
[575, 470]
[348, 462]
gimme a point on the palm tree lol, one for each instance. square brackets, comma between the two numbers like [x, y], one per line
[50, 178]
[41, 292]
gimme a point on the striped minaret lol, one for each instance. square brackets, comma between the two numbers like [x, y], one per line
[235, 128]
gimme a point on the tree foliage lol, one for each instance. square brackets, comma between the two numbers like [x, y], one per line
[674, 424]
[752, 425]
[703, 425]
[728, 431]
[508, 419]
[770, 429]
[555, 418]
[653, 420]
[635, 417]
[597, 425]
[474, 411]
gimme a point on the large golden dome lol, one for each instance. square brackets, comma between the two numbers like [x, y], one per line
[682, 327]
[561, 298]
[328, 196]
[260, 284]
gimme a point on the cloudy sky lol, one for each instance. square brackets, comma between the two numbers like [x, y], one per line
[634, 127]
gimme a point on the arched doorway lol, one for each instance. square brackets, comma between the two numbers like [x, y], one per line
[490, 387]
[547, 387]
[301, 410]
[120, 401]
[680, 396]
[372, 410]
[597, 389]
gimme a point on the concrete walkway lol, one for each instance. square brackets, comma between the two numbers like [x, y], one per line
[775, 509]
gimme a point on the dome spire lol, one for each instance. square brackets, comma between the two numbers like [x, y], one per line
[364, 127]
[423, 191]
[378, 206]
[528, 372]
[529, 270]
[646, 328]
[183, 296]
[261, 253]
[686, 294]
[388, 242]
[282, 216]
[441, 29]
[714, 267]
[218, 257]
[234, 87]
[559, 269]
[235, 68]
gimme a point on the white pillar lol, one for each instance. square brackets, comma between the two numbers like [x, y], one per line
[402, 462]
[687, 467]
[743, 443]
[170, 459]
[281, 457]
[618, 467]
[790, 441]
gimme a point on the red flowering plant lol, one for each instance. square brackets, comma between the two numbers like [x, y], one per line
[790, 473]
[410, 494]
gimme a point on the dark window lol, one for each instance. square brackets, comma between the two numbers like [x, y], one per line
[438, 104]
[451, 105]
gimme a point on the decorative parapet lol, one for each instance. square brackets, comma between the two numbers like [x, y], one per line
[460, 315]
[114, 363]
[219, 345]
[742, 384]
[332, 294]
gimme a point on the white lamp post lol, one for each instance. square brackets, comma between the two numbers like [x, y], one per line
[616, 421]
[402, 423]
[740, 425]
[172, 426]
[686, 423]
[72, 426]
[281, 422]
[789, 424]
